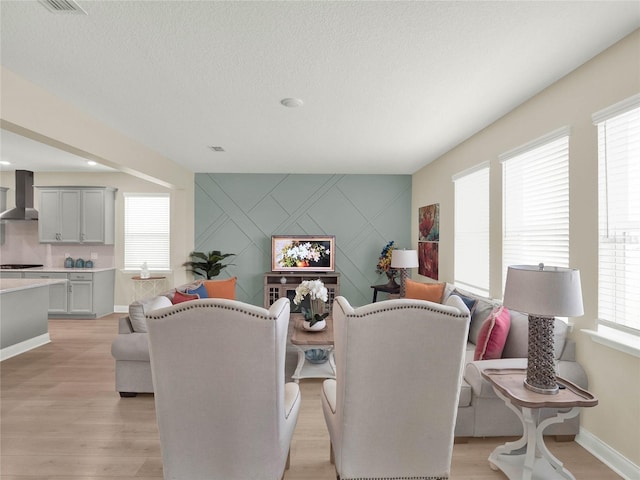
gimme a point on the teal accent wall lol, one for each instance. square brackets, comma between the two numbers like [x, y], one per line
[238, 213]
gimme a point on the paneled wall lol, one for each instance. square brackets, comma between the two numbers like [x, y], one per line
[238, 213]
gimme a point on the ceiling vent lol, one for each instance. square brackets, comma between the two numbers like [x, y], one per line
[63, 6]
[216, 148]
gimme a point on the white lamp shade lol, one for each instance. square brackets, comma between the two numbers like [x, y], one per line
[544, 291]
[404, 258]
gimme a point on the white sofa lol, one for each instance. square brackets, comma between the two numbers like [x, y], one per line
[480, 412]
[130, 348]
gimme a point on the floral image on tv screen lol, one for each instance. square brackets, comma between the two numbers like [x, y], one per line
[302, 253]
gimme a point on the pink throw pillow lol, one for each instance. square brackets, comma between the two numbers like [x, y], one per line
[493, 335]
[180, 297]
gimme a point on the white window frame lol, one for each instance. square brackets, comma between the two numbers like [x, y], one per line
[619, 217]
[471, 229]
[535, 208]
[147, 231]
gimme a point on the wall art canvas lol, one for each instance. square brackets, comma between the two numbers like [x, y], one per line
[429, 223]
[428, 259]
[313, 253]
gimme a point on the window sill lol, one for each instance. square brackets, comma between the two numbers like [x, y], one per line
[623, 342]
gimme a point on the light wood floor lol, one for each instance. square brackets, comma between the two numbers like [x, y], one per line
[62, 420]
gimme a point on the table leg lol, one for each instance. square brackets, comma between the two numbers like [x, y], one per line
[536, 462]
[555, 463]
[301, 360]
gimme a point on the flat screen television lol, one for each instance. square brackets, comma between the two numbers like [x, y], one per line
[303, 253]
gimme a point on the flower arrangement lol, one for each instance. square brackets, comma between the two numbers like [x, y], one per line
[317, 293]
[300, 254]
[384, 262]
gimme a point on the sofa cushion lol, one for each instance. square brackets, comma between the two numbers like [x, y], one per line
[518, 338]
[199, 290]
[464, 399]
[480, 314]
[138, 310]
[493, 335]
[432, 292]
[469, 301]
[180, 297]
[473, 373]
[221, 288]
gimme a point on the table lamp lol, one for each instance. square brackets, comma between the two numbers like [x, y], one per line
[401, 260]
[543, 293]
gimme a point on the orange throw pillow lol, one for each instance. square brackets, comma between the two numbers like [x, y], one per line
[221, 288]
[431, 292]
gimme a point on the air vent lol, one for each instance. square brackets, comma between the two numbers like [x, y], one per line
[216, 148]
[63, 6]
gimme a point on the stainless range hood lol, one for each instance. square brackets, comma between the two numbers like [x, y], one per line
[24, 199]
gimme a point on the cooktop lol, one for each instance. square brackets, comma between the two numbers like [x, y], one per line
[18, 266]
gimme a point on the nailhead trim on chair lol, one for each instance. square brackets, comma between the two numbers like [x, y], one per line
[395, 478]
[406, 307]
[184, 306]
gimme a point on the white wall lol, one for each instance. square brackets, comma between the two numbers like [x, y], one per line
[608, 78]
[31, 111]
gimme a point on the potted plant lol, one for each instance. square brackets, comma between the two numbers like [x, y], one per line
[207, 265]
[314, 318]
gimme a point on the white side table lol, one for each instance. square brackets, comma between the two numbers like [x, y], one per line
[147, 287]
[537, 462]
[304, 340]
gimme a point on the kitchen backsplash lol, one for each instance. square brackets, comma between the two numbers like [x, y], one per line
[21, 246]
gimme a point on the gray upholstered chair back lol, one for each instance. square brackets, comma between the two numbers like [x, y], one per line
[223, 409]
[391, 410]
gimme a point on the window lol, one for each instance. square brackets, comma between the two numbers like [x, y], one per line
[619, 215]
[536, 203]
[471, 189]
[146, 231]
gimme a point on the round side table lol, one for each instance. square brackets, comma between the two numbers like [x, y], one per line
[147, 287]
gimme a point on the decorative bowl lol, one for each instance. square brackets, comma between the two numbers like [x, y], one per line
[317, 355]
[317, 327]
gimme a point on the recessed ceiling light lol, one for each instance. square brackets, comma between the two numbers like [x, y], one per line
[292, 102]
[4, 162]
[92, 163]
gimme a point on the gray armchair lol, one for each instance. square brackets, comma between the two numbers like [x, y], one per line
[224, 410]
[391, 410]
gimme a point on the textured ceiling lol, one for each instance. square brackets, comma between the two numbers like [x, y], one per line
[387, 86]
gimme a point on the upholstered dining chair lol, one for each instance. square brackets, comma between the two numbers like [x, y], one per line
[223, 408]
[392, 408]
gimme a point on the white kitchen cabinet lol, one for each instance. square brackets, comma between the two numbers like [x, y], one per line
[58, 293]
[76, 215]
[86, 294]
[80, 293]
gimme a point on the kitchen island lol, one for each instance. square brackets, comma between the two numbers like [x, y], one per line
[87, 294]
[24, 304]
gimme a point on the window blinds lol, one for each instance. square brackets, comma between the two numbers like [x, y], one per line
[471, 190]
[619, 215]
[536, 203]
[146, 231]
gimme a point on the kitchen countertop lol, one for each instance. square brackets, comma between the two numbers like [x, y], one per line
[15, 284]
[60, 269]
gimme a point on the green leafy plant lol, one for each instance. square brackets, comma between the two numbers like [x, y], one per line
[207, 265]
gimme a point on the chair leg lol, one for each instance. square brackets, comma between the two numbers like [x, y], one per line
[332, 458]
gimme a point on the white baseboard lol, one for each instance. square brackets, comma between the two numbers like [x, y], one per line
[18, 348]
[121, 308]
[607, 455]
